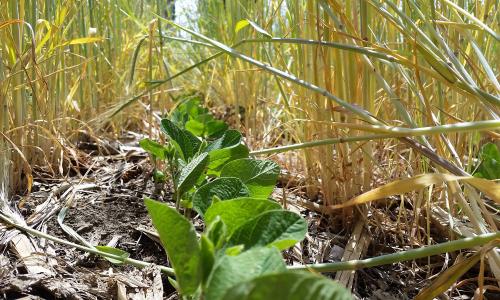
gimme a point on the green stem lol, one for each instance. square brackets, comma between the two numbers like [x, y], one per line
[347, 47]
[469, 242]
[177, 201]
[321, 143]
[128, 261]
[391, 132]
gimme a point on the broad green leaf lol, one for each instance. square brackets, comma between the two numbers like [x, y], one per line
[237, 212]
[192, 116]
[230, 138]
[178, 237]
[186, 144]
[158, 150]
[289, 286]
[259, 176]
[191, 172]
[115, 251]
[189, 108]
[216, 128]
[218, 158]
[279, 228]
[224, 188]
[217, 231]
[234, 270]
[234, 250]
[489, 167]
[206, 126]
[195, 127]
[225, 149]
[179, 116]
[186, 203]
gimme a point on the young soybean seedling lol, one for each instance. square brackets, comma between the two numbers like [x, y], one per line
[228, 257]
[244, 230]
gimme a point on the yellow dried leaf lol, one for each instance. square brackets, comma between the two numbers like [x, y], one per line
[403, 186]
[85, 40]
[10, 22]
[240, 25]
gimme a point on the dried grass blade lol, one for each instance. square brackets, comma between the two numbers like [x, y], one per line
[448, 277]
[398, 187]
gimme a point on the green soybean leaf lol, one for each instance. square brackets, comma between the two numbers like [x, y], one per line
[234, 270]
[198, 120]
[182, 113]
[289, 286]
[216, 128]
[204, 125]
[178, 237]
[216, 231]
[235, 250]
[195, 127]
[224, 188]
[489, 167]
[190, 173]
[207, 249]
[227, 148]
[189, 108]
[159, 176]
[186, 144]
[218, 158]
[115, 251]
[258, 175]
[237, 212]
[157, 150]
[229, 139]
[186, 203]
[279, 228]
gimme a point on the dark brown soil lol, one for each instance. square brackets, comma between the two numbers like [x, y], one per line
[109, 209]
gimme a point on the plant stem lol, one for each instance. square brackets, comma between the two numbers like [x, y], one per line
[465, 243]
[321, 143]
[128, 261]
[390, 132]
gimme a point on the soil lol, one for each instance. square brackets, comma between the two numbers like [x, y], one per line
[108, 208]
